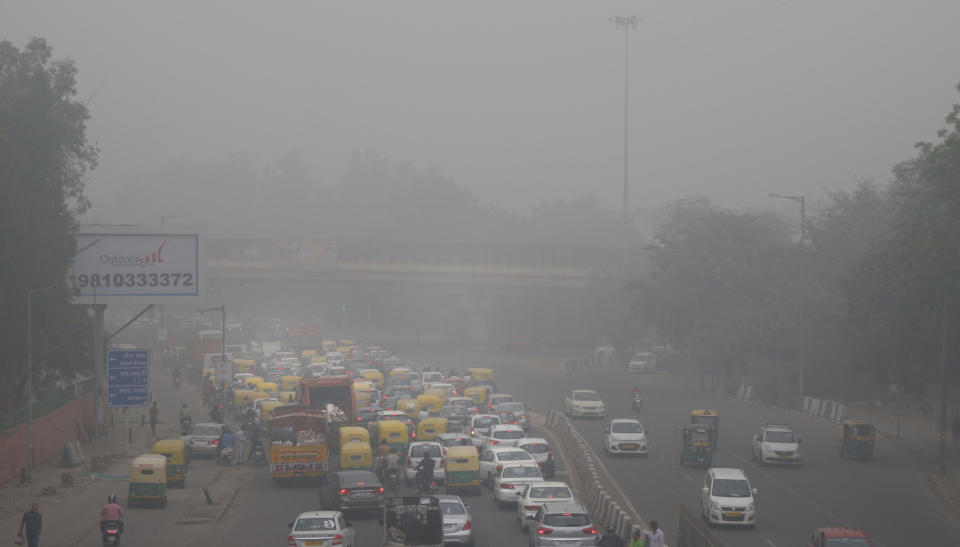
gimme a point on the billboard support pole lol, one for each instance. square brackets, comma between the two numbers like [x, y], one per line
[98, 365]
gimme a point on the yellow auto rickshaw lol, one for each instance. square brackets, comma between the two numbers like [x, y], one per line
[477, 374]
[410, 406]
[253, 382]
[346, 343]
[442, 394]
[375, 377]
[287, 397]
[708, 419]
[397, 371]
[428, 429]
[289, 382]
[148, 480]
[269, 387]
[328, 345]
[356, 455]
[318, 360]
[266, 411]
[478, 394]
[243, 397]
[463, 469]
[244, 365]
[394, 432]
[857, 439]
[432, 403]
[175, 450]
[352, 433]
[343, 350]
[259, 395]
[308, 354]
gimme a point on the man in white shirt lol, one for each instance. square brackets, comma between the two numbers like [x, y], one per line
[654, 536]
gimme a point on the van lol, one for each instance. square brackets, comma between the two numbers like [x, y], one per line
[727, 498]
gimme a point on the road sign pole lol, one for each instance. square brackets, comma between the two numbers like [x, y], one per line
[98, 365]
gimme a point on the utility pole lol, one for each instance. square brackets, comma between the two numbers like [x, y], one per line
[943, 388]
[803, 319]
[626, 24]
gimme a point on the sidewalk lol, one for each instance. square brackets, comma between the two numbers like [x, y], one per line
[71, 512]
[919, 437]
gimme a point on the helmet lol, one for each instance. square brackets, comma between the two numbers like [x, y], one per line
[112, 498]
[611, 530]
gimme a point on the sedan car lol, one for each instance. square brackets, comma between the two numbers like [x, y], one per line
[204, 438]
[513, 413]
[323, 529]
[496, 398]
[584, 402]
[457, 522]
[356, 489]
[536, 494]
[776, 444]
[511, 478]
[625, 436]
[493, 458]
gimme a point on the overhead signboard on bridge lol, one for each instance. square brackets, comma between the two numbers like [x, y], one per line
[137, 264]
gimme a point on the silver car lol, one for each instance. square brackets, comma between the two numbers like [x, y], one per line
[204, 438]
[457, 522]
[564, 523]
[321, 528]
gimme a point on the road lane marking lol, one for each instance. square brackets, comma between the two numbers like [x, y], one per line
[770, 543]
[688, 477]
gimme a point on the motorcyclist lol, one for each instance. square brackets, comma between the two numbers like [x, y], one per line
[225, 440]
[216, 415]
[111, 511]
[425, 470]
[611, 539]
[635, 391]
[392, 462]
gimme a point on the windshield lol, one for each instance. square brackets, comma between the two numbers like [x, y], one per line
[420, 450]
[485, 422]
[566, 519]
[452, 508]
[585, 396]
[513, 456]
[626, 427]
[536, 448]
[705, 420]
[453, 411]
[863, 431]
[521, 472]
[206, 430]
[508, 434]
[510, 407]
[731, 488]
[501, 399]
[780, 437]
[846, 542]
[315, 525]
[550, 492]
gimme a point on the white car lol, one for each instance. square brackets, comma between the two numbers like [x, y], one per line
[726, 498]
[415, 453]
[625, 436]
[511, 478]
[493, 458]
[446, 388]
[321, 528]
[480, 428]
[642, 362]
[776, 444]
[505, 435]
[584, 402]
[536, 494]
[432, 377]
[495, 399]
[539, 448]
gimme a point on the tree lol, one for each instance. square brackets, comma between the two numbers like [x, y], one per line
[44, 157]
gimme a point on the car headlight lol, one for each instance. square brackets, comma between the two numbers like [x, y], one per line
[766, 450]
[750, 506]
[715, 506]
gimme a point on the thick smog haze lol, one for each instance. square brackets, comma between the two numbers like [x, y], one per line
[519, 102]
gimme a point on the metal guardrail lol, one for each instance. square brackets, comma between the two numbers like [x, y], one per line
[691, 530]
[46, 405]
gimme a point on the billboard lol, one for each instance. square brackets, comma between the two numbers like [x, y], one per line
[137, 264]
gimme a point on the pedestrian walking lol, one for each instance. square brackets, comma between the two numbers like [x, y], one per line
[637, 539]
[654, 538]
[238, 440]
[955, 427]
[154, 416]
[31, 524]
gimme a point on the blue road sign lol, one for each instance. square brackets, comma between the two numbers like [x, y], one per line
[128, 377]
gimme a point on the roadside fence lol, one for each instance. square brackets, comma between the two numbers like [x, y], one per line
[691, 531]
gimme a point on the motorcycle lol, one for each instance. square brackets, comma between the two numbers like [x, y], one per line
[186, 423]
[393, 478]
[111, 532]
[227, 456]
[425, 486]
[176, 382]
[637, 402]
[257, 455]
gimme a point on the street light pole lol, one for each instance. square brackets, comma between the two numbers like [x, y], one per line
[803, 214]
[803, 319]
[30, 294]
[163, 327]
[626, 24]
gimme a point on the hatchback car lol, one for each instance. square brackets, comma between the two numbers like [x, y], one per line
[323, 529]
[505, 435]
[457, 417]
[495, 457]
[563, 523]
[356, 489]
[584, 402]
[204, 438]
[513, 412]
[536, 494]
[457, 522]
[776, 444]
[511, 478]
[540, 450]
[480, 427]
[496, 398]
[625, 436]
[416, 451]
[726, 498]
[453, 439]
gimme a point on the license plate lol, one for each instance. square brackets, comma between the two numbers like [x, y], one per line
[315, 542]
[363, 494]
[629, 446]
[732, 515]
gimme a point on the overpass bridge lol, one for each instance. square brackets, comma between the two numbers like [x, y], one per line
[465, 290]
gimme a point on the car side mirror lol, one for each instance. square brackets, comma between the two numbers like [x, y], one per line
[467, 507]
[706, 490]
[519, 494]
[754, 491]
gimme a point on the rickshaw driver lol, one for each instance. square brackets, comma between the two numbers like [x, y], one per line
[383, 450]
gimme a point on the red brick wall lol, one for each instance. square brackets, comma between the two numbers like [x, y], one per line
[50, 434]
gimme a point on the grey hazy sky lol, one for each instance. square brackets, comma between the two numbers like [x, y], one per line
[519, 100]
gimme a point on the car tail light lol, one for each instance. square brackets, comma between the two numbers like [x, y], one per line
[111, 530]
[443, 462]
[467, 526]
[342, 491]
[494, 441]
[216, 441]
[291, 542]
[409, 463]
[590, 530]
[531, 507]
[337, 540]
[507, 486]
[499, 467]
[380, 490]
[544, 530]
[549, 455]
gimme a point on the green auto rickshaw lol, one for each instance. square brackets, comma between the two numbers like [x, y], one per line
[857, 439]
[695, 447]
[177, 454]
[148, 480]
